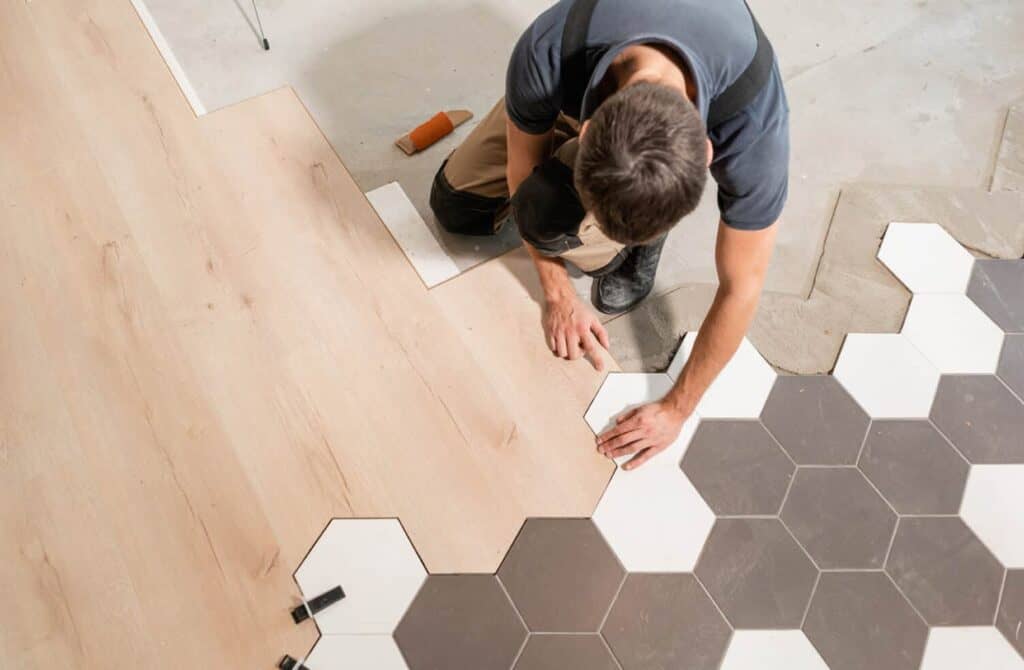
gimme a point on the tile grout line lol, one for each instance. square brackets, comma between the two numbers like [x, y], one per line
[892, 542]
[807, 609]
[604, 619]
[713, 602]
[1002, 592]
[907, 600]
[800, 544]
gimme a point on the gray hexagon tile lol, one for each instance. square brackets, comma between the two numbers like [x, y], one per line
[374, 562]
[460, 621]
[563, 652]
[860, 621]
[756, 573]
[1011, 363]
[815, 420]
[914, 467]
[945, 571]
[997, 287]
[662, 621]
[969, 647]
[561, 575]
[838, 518]
[738, 467]
[1010, 620]
[981, 417]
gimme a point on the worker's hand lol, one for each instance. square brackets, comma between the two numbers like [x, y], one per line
[571, 330]
[644, 431]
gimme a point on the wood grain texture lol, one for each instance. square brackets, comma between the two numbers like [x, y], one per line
[211, 346]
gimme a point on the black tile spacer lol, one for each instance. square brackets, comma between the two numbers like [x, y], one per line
[289, 663]
[311, 607]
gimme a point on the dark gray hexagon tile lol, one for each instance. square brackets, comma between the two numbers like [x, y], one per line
[561, 575]
[839, 518]
[997, 287]
[945, 571]
[981, 417]
[914, 467]
[737, 467]
[1010, 620]
[815, 420]
[565, 652]
[756, 573]
[860, 621]
[460, 621]
[661, 621]
[1011, 363]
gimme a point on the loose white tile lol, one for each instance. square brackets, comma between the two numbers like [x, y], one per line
[397, 212]
[993, 506]
[345, 652]
[887, 375]
[956, 336]
[654, 519]
[926, 258]
[373, 561]
[621, 392]
[771, 650]
[739, 391]
[969, 647]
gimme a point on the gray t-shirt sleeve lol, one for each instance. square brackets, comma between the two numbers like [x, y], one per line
[531, 93]
[751, 163]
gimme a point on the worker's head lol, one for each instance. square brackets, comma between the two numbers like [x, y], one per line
[642, 162]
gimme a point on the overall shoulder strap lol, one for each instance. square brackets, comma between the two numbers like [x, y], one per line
[742, 92]
[575, 68]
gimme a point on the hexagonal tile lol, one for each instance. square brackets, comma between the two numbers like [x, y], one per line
[738, 467]
[860, 621]
[561, 652]
[665, 621]
[969, 647]
[981, 417]
[887, 375]
[561, 575]
[771, 650]
[373, 561]
[945, 571]
[740, 389]
[460, 621]
[914, 467]
[654, 519]
[756, 573]
[1010, 620]
[1011, 363]
[337, 652]
[926, 258]
[992, 506]
[815, 420]
[621, 392]
[838, 518]
[953, 334]
[997, 287]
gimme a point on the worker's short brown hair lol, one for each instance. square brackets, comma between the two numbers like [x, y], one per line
[642, 163]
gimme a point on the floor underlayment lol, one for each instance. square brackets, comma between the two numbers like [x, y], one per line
[864, 520]
[896, 93]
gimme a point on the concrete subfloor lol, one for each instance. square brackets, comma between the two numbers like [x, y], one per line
[894, 94]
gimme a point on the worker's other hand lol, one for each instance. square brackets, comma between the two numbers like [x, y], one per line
[571, 331]
[644, 431]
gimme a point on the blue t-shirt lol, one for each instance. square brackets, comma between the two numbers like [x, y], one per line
[716, 40]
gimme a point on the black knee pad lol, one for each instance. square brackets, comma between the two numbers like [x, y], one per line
[462, 212]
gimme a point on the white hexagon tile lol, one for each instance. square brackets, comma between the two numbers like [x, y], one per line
[621, 392]
[375, 564]
[741, 389]
[952, 333]
[887, 375]
[341, 652]
[771, 650]
[969, 647]
[926, 258]
[993, 507]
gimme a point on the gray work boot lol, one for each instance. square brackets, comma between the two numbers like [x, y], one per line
[621, 290]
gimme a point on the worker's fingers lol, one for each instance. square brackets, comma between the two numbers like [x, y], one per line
[641, 458]
[574, 346]
[593, 351]
[621, 441]
[626, 416]
[560, 347]
[631, 448]
[618, 429]
[601, 334]
[552, 345]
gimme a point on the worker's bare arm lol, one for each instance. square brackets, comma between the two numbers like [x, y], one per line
[742, 259]
[571, 329]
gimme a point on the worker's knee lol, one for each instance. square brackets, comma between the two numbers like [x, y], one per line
[462, 212]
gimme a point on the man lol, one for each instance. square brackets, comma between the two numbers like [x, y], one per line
[665, 89]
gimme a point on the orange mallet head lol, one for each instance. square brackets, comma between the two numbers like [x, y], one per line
[439, 125]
